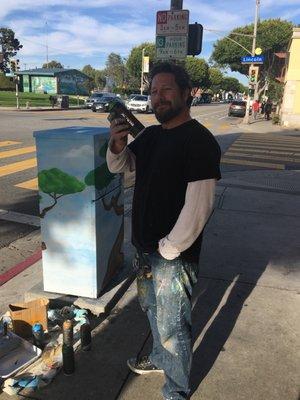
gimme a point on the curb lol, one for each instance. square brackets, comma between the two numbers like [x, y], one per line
[12, 272]
[40, 109]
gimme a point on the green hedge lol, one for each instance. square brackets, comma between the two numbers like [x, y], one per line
[8, 99]
[6, 84]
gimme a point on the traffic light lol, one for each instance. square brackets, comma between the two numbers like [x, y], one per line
[13, 65]
[195, 39]
[253, 74]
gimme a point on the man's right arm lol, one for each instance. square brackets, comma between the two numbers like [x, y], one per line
[120, 162]
[119, 157]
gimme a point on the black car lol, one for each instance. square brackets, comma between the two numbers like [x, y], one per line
[103, 104]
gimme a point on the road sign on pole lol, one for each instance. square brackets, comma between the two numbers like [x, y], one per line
[172, 29]
[253, 59]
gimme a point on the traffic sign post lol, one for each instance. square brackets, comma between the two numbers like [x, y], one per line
[172, 29]
[253, 59]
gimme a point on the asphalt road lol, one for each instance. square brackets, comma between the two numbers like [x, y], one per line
[18, 183]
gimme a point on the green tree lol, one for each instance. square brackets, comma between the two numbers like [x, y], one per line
[115, 69]
[100, 79]
[52, 64]
[57, 184]
[198, 70]
[231, 84]
[215, 77]
[273, 35]
[134, 61]
[89, 71]
[9, 45]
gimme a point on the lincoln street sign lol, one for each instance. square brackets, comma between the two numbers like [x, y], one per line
[253, 59]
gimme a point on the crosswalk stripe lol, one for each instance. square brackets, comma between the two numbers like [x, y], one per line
[228, 160]
[296, 144]
[17, 152]
[265, 151]
[261, 146]
[17, 166]
[8, 143]
[271, 138]
[265, 157]
[31, 184]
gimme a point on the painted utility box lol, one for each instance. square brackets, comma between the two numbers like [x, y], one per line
[81, 209]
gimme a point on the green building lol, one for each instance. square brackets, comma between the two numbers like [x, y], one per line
[53, 81]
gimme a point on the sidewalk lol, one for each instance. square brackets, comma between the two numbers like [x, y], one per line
[245, 314]
[262, 126]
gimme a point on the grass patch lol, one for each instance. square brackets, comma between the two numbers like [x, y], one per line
[8, 99]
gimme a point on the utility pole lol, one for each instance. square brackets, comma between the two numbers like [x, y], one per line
[257, 5]
[142, 74]
[47, 60]
[176, 4]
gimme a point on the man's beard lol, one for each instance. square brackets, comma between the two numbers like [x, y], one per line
[168, 113]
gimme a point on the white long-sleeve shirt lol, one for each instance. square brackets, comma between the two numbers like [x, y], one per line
[199, 200]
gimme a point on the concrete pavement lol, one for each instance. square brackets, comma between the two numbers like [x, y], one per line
[245, 314]
[245, 304]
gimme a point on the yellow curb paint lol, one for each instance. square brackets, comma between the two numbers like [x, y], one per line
[17, 152]
[8, 143]
[32, 184]
[17, 167]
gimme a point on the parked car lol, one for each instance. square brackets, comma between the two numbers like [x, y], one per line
[140, 103]
[96, 97]
[237, 108]
[103, 103]
[131, 97]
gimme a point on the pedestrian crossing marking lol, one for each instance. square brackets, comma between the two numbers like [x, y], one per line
[31, 184]
[271, 138]
[227, 160]
[265, 156]
[8, 143]
[265, 151]
[17, 166]
[17, 152]
[261, 146]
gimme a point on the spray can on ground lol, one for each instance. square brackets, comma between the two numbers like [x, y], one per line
[85, 337]
[117, 110]
[38, 335]
[67, 348]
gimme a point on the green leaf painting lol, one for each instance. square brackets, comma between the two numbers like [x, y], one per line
[56, 182]
[100, 177]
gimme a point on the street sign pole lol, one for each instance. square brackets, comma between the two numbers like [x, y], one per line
[142, 74]
[246, 118]
[17, 91]
[176, 4]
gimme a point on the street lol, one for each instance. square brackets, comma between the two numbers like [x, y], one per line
[244, 149]
[247, 278]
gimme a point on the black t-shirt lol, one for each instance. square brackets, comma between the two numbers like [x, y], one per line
[166, 161]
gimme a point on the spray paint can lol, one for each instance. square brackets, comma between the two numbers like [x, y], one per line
[85, 337]
[38, 335]
[67, 348]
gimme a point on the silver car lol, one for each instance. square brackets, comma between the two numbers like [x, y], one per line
[140, 103]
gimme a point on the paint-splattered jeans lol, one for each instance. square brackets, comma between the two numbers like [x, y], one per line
[165, 290]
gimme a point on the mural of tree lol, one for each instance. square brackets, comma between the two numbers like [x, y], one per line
[56, 184]
[101, 177]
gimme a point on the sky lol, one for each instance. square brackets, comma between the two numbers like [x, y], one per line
[80, 32]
